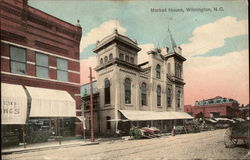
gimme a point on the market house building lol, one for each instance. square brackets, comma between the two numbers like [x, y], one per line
[148, 94]
[40, 68]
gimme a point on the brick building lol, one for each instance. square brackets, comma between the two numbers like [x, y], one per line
[216, 107]
[40, 53]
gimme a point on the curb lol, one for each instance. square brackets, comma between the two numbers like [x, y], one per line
[24, 150]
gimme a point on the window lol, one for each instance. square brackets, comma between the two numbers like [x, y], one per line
[158, 71]
[127, 86]
[179, 99]
[169, 68]
[62, 69]
[42, 65]
[105, 59]
[158, 92]
[131, 60]
[169, 94]
[143, 94]
[127, 58]
[101, 61]
[107, 91]
[18, 60]
[110, 56]
[121, 56]
[108, 123]
[178, 70]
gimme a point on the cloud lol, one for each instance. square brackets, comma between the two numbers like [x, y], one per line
[84, 69]
[213, 35]
[227, 76]
[100, 32]
[142, 55]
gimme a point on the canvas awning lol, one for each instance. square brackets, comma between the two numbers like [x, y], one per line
[51, 103]
[13, 104]
[153, 115]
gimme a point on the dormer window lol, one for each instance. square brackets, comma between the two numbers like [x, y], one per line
[158, 71]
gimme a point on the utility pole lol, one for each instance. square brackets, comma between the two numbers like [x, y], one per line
[91, 107]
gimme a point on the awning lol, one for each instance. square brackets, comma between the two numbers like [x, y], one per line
[153, 115]
[13, 104]
[51, 103]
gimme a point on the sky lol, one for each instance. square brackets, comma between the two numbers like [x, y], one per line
[215, 43]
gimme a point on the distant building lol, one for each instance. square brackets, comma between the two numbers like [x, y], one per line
[148, 94]
[214, 107]
[245, 111]
[40, 69]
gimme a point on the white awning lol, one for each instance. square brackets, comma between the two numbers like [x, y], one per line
[153, 115]
[13, 104]
[51, 103]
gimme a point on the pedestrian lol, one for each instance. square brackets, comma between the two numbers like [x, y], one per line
[173, 131]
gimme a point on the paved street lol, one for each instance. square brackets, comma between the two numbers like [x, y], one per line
[204, 145]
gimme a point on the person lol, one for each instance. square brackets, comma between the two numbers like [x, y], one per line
[173, 131]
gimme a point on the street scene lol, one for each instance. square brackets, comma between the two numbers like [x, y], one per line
[124, 80]
[204, 145]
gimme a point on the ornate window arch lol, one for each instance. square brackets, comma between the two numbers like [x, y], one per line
[127, 90]
[107, 91]
[158, 92]
[158, 71]
[143, 94]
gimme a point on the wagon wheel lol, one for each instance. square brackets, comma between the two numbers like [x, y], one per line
[228, 140]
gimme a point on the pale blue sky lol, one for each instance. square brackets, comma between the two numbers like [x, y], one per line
[143, 25]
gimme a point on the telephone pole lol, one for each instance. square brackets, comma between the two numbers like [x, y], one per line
[92, 139]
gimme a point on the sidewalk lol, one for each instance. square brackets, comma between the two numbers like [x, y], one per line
[47, 145]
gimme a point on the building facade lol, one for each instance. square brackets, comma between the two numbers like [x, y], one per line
[214, 107]
[126, 87]
[40, 51]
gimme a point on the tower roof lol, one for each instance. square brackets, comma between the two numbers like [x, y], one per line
[115, 37]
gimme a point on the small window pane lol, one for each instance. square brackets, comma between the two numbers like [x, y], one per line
[42, 60]
[132, 60]
[121, 56]
[18, 67]
[42, 72]
[18, 54]
[127, 58]
[62, 75]
[62, 64]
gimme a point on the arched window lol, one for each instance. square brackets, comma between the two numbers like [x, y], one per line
[108, 123]
[127, 58]
[127, 86]
[158, 92]
[121, 56]
[169, 94]
[158, 71]
[132, 60]
[143, 94]
[105, 59]
[179, 99]
[101, 61]
[110, 56]
[107, 91]
[169, 68]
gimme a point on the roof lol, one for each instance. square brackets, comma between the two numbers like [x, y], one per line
[134, 115]
[115, 36]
